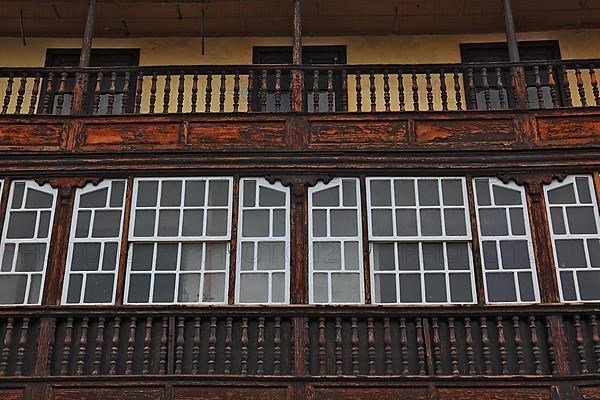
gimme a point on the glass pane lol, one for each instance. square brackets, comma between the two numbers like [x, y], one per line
[117, 193]
[594, 252]
[382, 222]
[582, 220]
[501, 287]
[558, 221]
[254, 288]
[571, 254]
[320, 288]
[38, 199]
[216, 256]
[21, 225]
[147, 193]
[455, 222]
[247, 256]
[8, 257]
[214, 288]
[504, 196]
[218, 193]
[170, 194]
[433, 256]
[194, 193]
[583, 190]
[381, 194]
[515, 254]
[74, 290]
[383, 257]
[18, 194]
[349, 192]
[249, 193]
[255, 223]
[385, 288]
[44, 225]
[327, 256]
[166, 256]
[458, 256]
[408, 256]
[526, 286]
[562, 195]
[193, 221]
[406, 222]
[83, 224]
[404, 192]
[493, 222]
[279, 223]
[142, 257]
[271, 256]
[31, 257]
[189, 288]
[344, 223]
[460, 288]
[431, 223]
[327, 197]
[168, 223]
[35, 282]
[271, 198]
[139, 288]
[435, 288]
[99, 288]
[278, 288]
[589, 282]
[490, 255]
[86, 256]
[517, 221]
[482, 187]
[106, 224]
[164, 288]
[345, 288]
[144, 223]
[452, 192]
[216, 222]
[95, 199]
[12, 289]
[351, 260]
[319, 223]
[109, 260]
[191, 257]
[428, 192]
[410, 288]
[568, 286]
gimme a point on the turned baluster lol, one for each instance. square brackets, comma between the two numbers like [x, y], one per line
[551, 352]
[278, 90]
[519, 346]
[373, 91]
[97, 363]
[64, 365]
[60, 97]
[236, 91]
[330, 103]
[212, 345]
[538, 86]
[387, 343]
[537, 356]
[138, 93]
[251, 91]
[130, 346]
[457, 91]
[6, 345]
[469, 344]
[194, 99]
[355, 349]
[580, 346]
[429, 88]
[420, 347]
[553, 88]
[415, 90]
[277, 346]
[315, 91]
[228, 343]
[322, 348]
[162, 369]
[21, 347]
[97, 94]
[114, 350]
[208, 93]
[51, 342]
[344, 90]
[307, 348]
[500, 87]
[485, 83]
[580, 86]
[339, 351]
[595, 340]
[502, 345]
[386, 91]
[371, 345]
[180, 92]
[404, 346]
[21, 94]
[358, 92]
[153, 91]
[260, 347]
[112, 90]
[222, 89]
[82, 347]
[167, 93]
[8, 94]
[48, 94]
[244, 349]
[125, 94]
[471, 89]
[594, 83]
[485, 342]
[179, 343]
[401, 99]
[263, 91]
[443, 90]
[566, 87]
[453, 350]
[147, 346]
[196, 348]
[437, 351]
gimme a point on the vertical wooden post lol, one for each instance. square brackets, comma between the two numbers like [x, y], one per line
[297, 74]
[518, 72]
[84, 58]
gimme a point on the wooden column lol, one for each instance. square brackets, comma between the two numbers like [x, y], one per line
[297, 75]
[84, 58]
[517, 72]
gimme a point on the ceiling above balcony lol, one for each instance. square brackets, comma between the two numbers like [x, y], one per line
[118, 18]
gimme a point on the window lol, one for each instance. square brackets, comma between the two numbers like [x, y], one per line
[94, 244]
[574, 224]
[505, 241]
[179, 240]
[25, 242]
[335, 243]
[263, 255]
[420, 241]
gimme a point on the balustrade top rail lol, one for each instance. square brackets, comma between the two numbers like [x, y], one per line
[300, 88]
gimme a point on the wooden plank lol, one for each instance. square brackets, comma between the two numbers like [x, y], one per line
[466, 131]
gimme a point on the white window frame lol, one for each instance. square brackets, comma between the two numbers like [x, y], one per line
[420, 239]
[179, 240]
[497, 239]
[107, 183]
[556, 184]
[48, 190]
[255, 240]
[312, 239]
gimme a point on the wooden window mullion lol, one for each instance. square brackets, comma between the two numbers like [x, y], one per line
[233, 241]
[476, 253]
[123, 251]
[365, 242]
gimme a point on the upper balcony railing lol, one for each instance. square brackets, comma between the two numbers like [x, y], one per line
[299, 88]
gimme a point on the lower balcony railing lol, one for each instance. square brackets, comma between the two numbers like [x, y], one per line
[308, 88]
[301, 341]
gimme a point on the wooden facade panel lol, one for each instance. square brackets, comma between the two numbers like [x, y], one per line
[371, 393]
[575, 130]
[130, 136]
[31, 137]
[358, 134]
[123, 393]
[237, 135]
[483, 393]
[231, 393]
[466, 131]
[590, 393]
[12, 394]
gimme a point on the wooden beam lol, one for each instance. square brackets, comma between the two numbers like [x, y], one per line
[511, 36]
[86, 47]
[297, 75]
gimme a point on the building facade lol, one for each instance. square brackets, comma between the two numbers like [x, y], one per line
[299, 200]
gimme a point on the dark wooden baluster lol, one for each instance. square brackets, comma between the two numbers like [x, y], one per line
[114, 349]
[437, 351]
[153, 91]
[553, 88]
[181, 92]
[580, 346]
[537, 356]
[471, 89]
[307, 349]
[277, 346]
[387, 342]
[453, 350]
[125, 94]
[236, 91]
[130, 346]
[180, 343]
[208, 94]
[386, 91]
[429, 88]
[194, 99]
[595, 340]
[264, 91]
[60, 96]
[244, 350]
[138, 93]
[251, 91]
[8, 94]
[21, 347]
[82, 347]
[358, 92]
[97, 93]
[222, 89]
[444, 90]
[48, 95]
[355, 348]
[98, 351]
[469, 344]
[457, 91]
[111, 93]
[519, 346]
[373, 91]
[51, 342]
[322, 348]
[371, 346]
[64, 365]
[147, 346]
[278, 90]
[420, 347]
[6, 345]
[167, 93]
[196, 348]
[580, 87]
[538, 86]
[485, 342]
[163, 346]
[485, 83]
[566, 87]
[21, 94]
[594, 83]
[415, 90]
[330, 104]
[404, 346]
[212, 345]
[315, 92]
[339, 351]
[500, 88]
[551, 352]
[260, 347]
[344, 90]
[401, 99]
[502, 345]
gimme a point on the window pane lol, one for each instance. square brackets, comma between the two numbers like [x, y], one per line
[345, 288]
